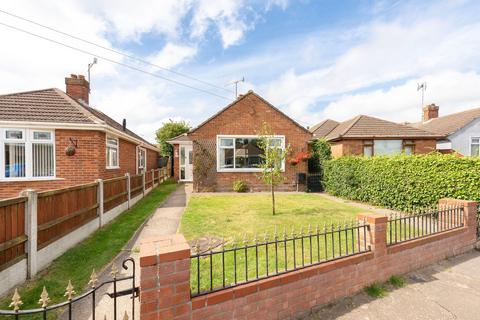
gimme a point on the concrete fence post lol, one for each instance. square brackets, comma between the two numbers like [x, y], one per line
[143, 183]
[129, 196]
[100, 203]
[31, 230]
[165, 278]
[153, 178]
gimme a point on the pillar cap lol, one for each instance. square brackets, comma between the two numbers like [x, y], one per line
[161, 249]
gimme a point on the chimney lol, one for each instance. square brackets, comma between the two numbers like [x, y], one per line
[430, 112]
[124, 125]
[77, 87]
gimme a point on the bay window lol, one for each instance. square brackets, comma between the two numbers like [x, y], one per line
[27, 153]
[112, 153]
[475, 146]
[242, 153]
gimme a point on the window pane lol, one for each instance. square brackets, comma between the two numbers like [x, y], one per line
[408, 150]
[475, 150]
[476, 140]
[226, 142]
[43, 160]
[368, 151]
[112, 157]
[247, 153]
[14, 134]
[182, 156]
[226, 158]
[190, 157]
[182, 173]
[112, 141]
[275, 142]
[42, 135]
[14, 160]
[387, 147]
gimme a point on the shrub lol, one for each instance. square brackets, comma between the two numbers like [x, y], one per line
[240, 186]
[321, 151]
[403, 182]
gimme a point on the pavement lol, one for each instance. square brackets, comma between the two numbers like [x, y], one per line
[449, 289]
[164, 221]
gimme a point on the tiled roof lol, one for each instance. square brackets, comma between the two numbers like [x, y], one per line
[48, 105]
[54, 106]
[449, 124]
[180, 138]
[369, 127]
[323, 128]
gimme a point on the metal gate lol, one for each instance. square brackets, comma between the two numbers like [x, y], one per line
[314, 182]
[89, 299]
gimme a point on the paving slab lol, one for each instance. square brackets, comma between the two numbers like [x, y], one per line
[449, 289]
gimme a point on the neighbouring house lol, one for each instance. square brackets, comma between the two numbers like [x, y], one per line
[51, 139]
[224, 148]
[460, 131]
[369, 136]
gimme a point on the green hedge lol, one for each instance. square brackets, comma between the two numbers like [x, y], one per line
[403, 182]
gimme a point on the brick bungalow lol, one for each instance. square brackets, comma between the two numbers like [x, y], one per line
[223, 148]
[368, 136]
[51, 139]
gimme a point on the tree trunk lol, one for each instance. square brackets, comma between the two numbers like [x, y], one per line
[273, 199]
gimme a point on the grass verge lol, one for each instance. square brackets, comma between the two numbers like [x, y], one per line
[95, 252]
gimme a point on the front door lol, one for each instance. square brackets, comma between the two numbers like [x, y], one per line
[186, 163]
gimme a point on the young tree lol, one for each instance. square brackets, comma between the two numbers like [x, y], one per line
[170, 130]
[273, 156]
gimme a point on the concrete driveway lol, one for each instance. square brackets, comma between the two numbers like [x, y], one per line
[449, 289]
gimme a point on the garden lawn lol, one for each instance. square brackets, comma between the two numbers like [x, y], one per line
[93, 253]
[233, 216]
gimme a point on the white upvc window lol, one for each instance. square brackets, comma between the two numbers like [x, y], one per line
[475, 146]
[112, 153]
[141, 159]
[242, 153]
[27, 154]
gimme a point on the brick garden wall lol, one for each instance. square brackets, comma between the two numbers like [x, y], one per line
[245, 117]
[165, 275]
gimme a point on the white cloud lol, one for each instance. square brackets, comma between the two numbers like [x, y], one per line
[388, 52]
[172, 55]
[452, 91]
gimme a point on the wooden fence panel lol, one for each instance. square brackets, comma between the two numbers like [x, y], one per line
[12, 231]
[148, 179]
[64, 210]
[114, 192]
[136, 185]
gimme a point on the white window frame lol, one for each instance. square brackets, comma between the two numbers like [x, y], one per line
[108, 166]
[137, 159]
[219, 169]
[27, 139]
[470, 145]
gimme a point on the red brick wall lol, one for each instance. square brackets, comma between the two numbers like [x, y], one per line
[152, 159]
[88, 163]
[246, 117]
[165, 275]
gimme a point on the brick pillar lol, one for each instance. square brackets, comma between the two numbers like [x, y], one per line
[165, 278]
[377, 235]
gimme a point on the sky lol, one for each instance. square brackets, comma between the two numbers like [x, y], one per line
[312, 59]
